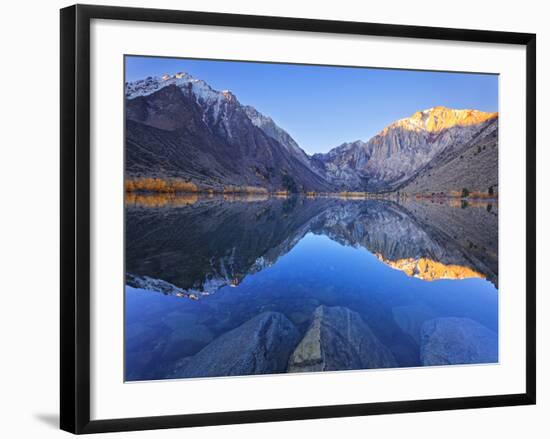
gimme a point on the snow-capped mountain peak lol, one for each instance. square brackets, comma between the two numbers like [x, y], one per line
[202, 91]
[212, 102]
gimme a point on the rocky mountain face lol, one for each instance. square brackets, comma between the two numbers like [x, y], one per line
[405, 149]
[472, 166]
[269, 127]
[179, 127]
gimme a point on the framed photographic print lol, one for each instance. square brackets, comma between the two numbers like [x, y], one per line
[267, 218]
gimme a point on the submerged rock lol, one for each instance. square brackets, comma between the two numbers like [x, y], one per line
[261, 345]
[453, 340]
[339, 339]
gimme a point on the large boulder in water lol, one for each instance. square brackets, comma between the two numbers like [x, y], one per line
[339, 339]
[261, 345]
[454, 340]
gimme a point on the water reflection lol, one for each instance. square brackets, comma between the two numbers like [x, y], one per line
[307, 284]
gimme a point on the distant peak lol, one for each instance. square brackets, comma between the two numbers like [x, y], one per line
[439, 118]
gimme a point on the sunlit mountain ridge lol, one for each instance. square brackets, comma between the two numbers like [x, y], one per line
[439, 118]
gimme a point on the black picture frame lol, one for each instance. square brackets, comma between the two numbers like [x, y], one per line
[75, 217]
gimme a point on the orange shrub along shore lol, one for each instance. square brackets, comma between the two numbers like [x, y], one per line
[159, 185]
[149, 184]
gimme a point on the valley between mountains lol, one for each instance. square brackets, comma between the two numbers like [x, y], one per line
[182, 135]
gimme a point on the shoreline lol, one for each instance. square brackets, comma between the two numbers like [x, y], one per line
[313, 194]
[161, 198]
[155, 186]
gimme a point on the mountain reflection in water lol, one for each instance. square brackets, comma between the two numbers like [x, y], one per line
[307, 284]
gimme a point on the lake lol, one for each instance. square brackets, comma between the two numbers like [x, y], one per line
[223, 286]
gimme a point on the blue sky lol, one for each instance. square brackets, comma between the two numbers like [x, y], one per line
[323, 107]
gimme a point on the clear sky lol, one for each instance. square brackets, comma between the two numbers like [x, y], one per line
[323, 107]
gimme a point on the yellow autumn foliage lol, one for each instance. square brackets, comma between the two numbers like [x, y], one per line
[159, 185]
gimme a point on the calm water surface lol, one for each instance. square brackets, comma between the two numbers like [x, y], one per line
[220, 287]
